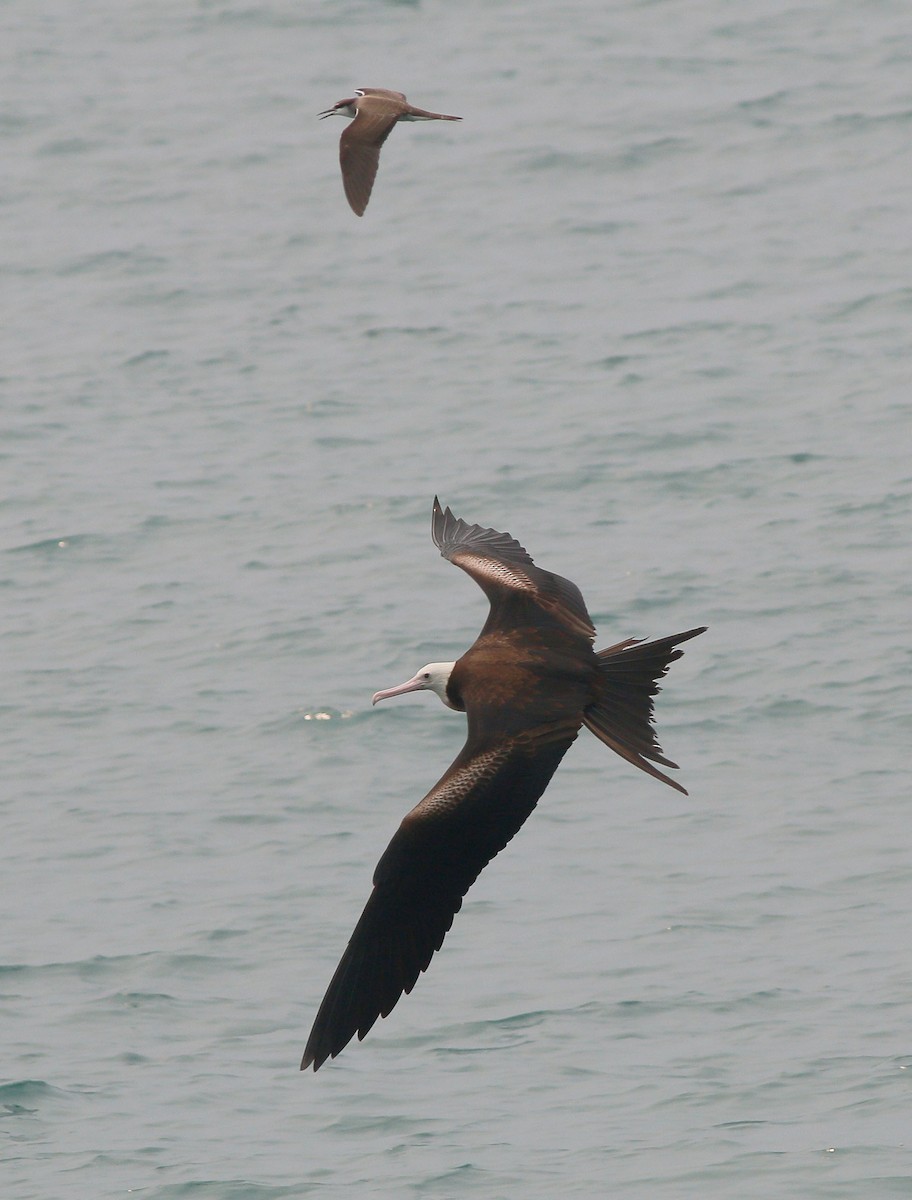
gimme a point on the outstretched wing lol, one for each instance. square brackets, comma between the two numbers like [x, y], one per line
[507, 575]
[359, 154]
[439, 850]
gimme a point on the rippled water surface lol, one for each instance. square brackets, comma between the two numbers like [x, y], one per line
[647, 307]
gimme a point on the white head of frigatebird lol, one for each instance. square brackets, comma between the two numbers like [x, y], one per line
[431, 678]
[527, 685]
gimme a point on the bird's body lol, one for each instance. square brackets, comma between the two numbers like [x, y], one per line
[528, 684]
[375, 112]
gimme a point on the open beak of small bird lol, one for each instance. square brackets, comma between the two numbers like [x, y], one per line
[345, 108]
[417, 684]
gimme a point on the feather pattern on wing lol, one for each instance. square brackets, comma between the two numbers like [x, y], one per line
[436, 855]
[506, 573]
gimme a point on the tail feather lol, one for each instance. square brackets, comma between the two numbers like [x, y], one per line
[622, 716]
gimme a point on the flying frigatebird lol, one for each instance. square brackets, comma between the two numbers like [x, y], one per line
[376, 111]
[527, 685]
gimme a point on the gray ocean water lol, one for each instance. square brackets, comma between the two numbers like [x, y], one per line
[649, 308]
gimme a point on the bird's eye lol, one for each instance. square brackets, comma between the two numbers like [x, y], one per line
[426, 675]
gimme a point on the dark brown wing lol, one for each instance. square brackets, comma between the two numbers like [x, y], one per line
[505, 572]
[439, 850]
[359, 154]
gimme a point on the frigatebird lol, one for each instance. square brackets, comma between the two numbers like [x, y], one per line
[376, 111]
[527, 685]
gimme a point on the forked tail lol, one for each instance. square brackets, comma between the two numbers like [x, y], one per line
[622, 718]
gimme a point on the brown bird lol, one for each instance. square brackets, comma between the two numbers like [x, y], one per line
[527, 685]
[376, 111]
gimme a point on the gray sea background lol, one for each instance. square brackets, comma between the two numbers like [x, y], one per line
[649, 308]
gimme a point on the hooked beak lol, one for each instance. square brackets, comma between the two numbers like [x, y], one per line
[329, 112]
[417, 684]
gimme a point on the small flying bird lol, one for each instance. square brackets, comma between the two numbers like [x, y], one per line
[376, 111]
[527, 685]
